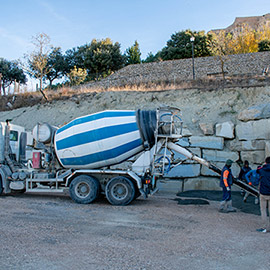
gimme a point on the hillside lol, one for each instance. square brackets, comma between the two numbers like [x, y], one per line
[197, 105]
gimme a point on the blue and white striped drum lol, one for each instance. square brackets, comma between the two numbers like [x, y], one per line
[98, 140]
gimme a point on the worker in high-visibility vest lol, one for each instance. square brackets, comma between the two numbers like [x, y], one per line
[226, 181]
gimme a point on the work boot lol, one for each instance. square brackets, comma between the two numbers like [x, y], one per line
[229, 207]
[256, 200]
[245, 197]
[223, 207]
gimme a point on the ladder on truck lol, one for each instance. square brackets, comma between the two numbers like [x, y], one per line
[168, 128]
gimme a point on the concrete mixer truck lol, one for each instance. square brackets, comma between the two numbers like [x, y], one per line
[85, 156]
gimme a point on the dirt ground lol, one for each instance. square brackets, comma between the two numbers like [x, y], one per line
[53, 232]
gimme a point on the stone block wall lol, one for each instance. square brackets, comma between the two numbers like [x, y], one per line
[249, 140]
[174, 70]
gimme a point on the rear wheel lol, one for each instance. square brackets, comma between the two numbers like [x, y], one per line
[120, 191]
[84, 189]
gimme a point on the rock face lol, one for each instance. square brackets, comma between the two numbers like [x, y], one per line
[261, 111]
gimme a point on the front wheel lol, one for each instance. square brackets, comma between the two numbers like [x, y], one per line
[84, 189]
[120, 191]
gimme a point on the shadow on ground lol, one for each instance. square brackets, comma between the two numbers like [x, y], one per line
[203, 196]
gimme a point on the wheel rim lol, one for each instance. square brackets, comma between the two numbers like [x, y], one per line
[82, 190]
[119, 191]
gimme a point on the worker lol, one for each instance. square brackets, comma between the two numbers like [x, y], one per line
[226, 181]
[244, 170]
[264, 189]
[242, 176]
[252, 178]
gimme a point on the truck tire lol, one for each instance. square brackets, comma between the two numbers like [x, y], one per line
[120, 191]
[84, 189]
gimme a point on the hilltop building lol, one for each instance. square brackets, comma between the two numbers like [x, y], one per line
[255, 23]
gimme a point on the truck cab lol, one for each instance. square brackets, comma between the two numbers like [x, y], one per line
[17, 141]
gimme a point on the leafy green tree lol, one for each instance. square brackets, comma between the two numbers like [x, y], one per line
[152, 58]
[76, 57]
[133, 54]
[100, 58]
[10, 73]
[57, 65]
[264, 45]
[179, 46]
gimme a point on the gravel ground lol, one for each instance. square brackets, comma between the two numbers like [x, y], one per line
[52, 232]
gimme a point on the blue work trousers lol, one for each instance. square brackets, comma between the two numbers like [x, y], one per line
[227, 195]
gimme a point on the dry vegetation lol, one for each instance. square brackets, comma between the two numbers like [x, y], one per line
[209, 83]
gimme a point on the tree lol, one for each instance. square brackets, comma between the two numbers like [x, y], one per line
[150, 58]
[76, 57]
[57, 65]
[77, 75]
[245, 40]
[10, 73]
[100, 58]
[221, 47]
[38, 59]
[133, 54]
[180, 47]
[264, 45]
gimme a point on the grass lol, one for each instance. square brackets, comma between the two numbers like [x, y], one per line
[206, 84]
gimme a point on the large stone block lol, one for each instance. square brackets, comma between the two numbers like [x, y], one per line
[170, 186]
[198, 183]
[186, 132]
[253, 145]
[255, 157]
[233, 145]
[185, 170]
[205, 171]
[225, 130]
[201, 183]
[184, 142]
[261, 111]
[267, 149]
[207, 128]
[208, 142]
[219, 156]
[236, 145]
[195, 151]
[253, 130]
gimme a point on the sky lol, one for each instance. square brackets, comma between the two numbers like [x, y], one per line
[72, 23]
